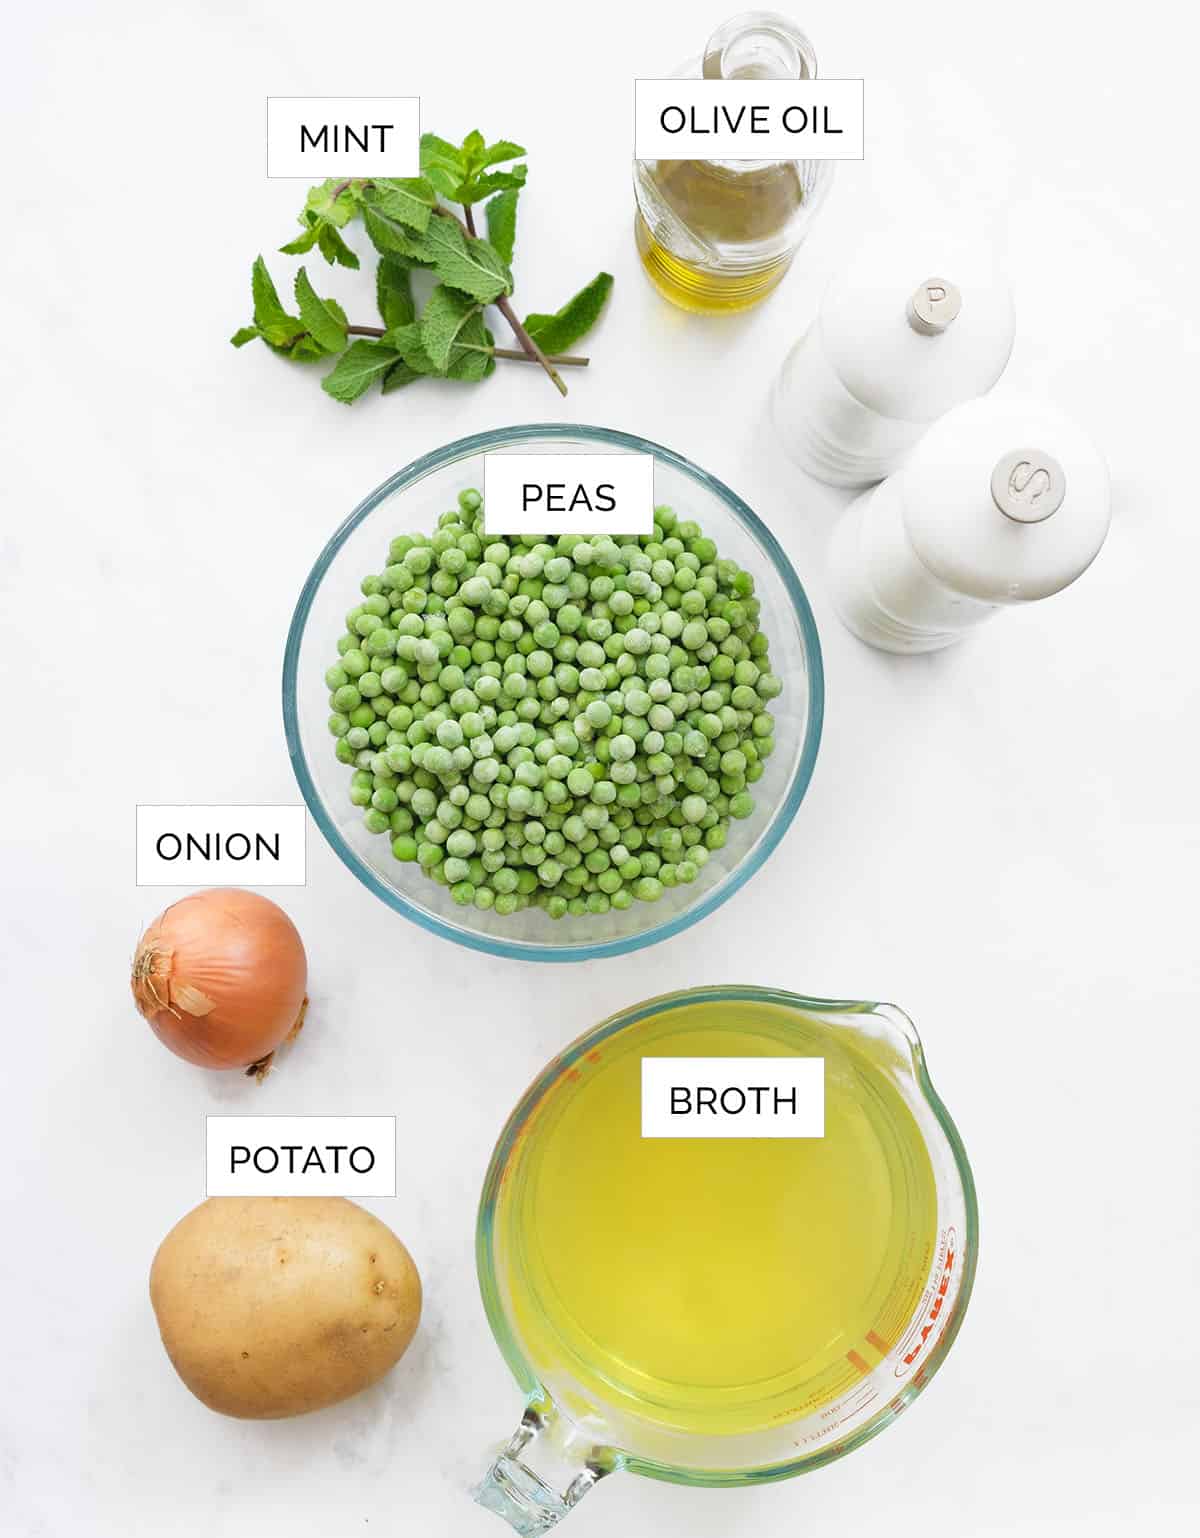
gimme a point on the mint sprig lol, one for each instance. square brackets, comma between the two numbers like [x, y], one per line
[412, 230]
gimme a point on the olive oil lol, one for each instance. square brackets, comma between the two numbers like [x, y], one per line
[729, 211]
[714, 1285]
[701, 289]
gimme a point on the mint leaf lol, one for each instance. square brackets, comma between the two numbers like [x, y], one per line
[274, 323]
[467, 356]
[399, 375]
[442, 164]
[268, 311]
[339, 210]
[560, 331]
[471, 359]
[357, 369]
[244, 334]
[305, 349]
[303, 242]
[464, 262]
[502, 222]
[403, 337]
[393, 238]
[480, 187]
[478, 156]
[444, 316]
[323, 216]
[334, 249]
[496, 154]
[324, 325]
[406, 340]
[393, 291]
[407, 200]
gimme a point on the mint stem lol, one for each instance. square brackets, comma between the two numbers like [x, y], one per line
[527, 342]
[566, 359]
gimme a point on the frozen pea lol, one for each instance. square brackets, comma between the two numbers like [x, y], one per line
[475, 590]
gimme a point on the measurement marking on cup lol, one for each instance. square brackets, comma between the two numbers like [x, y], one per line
[858, 1362]
[878, 1342]
[926, 1323]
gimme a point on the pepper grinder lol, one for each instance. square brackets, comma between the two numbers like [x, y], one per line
[918, 322]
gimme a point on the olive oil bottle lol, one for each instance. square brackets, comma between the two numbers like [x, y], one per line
[714, 1285]
[718, 235]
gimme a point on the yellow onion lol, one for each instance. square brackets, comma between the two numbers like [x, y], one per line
[221, 977]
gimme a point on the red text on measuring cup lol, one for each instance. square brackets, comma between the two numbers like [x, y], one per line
[926, 1325]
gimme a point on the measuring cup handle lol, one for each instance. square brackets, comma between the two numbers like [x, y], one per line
[527, 1499]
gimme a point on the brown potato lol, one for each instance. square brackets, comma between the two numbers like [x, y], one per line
[275, 1305]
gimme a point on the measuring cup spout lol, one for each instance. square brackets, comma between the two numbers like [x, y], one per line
[543, 1457]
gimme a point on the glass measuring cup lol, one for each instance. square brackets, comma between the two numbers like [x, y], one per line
[580, 1425]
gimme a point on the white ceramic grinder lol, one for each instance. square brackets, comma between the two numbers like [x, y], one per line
[1002, 503]
[917, 323]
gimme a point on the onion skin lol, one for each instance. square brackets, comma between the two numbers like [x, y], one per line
[221, 977]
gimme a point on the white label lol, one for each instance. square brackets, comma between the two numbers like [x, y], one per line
[220, 845]
[301, 1156]
[748, 120]
[319, 136]
[733, 1097]
[568, 493]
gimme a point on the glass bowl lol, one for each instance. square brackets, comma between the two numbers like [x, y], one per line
[410, 502]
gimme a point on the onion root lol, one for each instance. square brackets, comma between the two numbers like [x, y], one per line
[262, 1068]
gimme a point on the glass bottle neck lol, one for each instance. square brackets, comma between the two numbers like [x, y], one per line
[759, 45]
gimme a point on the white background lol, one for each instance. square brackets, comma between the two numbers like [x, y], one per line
[1002, 838]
